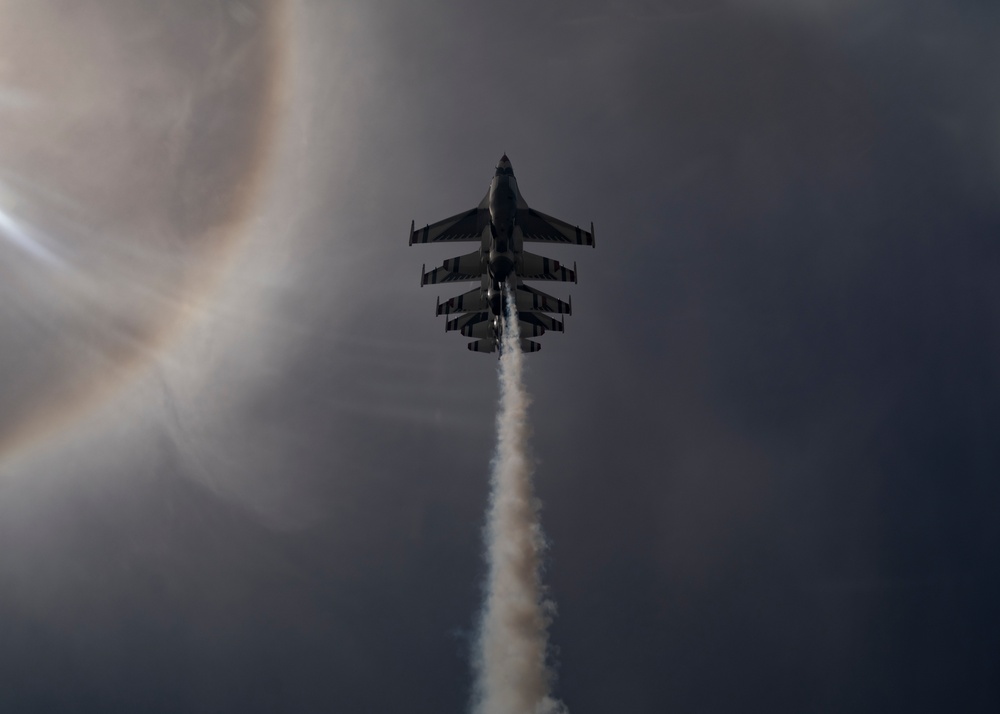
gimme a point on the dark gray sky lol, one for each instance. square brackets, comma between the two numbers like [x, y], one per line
[243, 468]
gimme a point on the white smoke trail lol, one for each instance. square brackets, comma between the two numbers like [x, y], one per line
[510, 662]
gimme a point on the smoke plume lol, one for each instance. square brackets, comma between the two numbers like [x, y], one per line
[512, 676]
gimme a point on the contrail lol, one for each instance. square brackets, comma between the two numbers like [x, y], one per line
[512, 676]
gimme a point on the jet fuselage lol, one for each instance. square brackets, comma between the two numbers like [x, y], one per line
[501, 224]
[503, 200]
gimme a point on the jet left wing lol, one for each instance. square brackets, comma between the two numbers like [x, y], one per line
[456, 270]
[466, 226]
[538, 227]
[487, 344]
[472, 301]
[466, 321]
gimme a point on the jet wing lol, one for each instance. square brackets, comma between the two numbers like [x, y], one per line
[489, 344]
[480, 324]
[537, 267]
[485, 329]
[530, 300]
[539, 319]
[467, 321]
[537, 227]
[467, 226]
[456, 270]
[472, 301]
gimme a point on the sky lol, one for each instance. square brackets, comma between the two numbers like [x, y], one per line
[243, 468]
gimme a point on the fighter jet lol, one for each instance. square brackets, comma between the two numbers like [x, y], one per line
[502, 223]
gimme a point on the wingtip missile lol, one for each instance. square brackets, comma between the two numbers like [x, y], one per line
[411, 231]
[593, 236]
[423, 269]
[576, 275]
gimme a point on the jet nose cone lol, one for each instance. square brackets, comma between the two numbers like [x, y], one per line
[504, 167]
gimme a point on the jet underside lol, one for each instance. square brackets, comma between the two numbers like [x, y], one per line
[502, 223]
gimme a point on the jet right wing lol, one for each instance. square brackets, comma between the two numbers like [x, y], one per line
[539, 319]
[536, 226]
[538, 267]
[528, 299]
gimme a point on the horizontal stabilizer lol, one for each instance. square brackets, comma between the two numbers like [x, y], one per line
[455, 270]
[472, 301]
[529, 299]
[537, 267]
[529, 345]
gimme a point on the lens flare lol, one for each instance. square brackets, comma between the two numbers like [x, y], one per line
[130, 179]
[17, 235]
